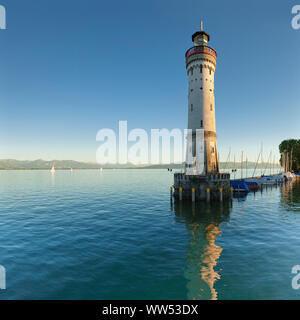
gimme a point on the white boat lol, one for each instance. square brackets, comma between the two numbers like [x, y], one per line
[288, 176]
[267, 180]
[52, 169]
[271, 180]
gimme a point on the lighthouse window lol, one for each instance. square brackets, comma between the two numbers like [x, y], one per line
[201, 124]
[212, 150]
[211, 108]
[209, 71]
[201, 88]
[201, 68]
[192, 107]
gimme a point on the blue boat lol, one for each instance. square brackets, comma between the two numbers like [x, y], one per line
[239, 186]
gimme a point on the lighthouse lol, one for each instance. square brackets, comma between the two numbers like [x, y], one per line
[201, 62]
[201, 179]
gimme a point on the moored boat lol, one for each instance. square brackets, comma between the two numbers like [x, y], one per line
[252, 185]
[239, 186]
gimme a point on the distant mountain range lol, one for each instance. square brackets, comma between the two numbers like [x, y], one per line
[9, 164]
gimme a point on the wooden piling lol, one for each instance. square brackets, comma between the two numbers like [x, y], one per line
[208, 195]
[171, 192]
[221, 194]
[193, 195]
[180, 193]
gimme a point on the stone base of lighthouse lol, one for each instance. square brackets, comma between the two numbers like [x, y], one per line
[211, 187]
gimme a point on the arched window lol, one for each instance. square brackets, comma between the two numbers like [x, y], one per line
[201, 68]
[201, 124]
[211, 107]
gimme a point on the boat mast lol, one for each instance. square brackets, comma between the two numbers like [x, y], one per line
[262, 160]
[246, 166]
[234, 167]
[256, 163]
[242, 165]
[228, 160]
[270, 163]
[267, 163]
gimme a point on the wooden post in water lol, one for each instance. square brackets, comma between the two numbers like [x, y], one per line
[208, 195]
[193, 195]
[171, 192]
[221, 194]
[180, 193]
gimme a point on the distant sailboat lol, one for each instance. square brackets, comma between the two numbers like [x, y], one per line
[52, 169]
[71, 169]
[101, 169]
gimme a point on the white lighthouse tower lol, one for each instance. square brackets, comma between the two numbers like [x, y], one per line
[201, 179]
[202, 158]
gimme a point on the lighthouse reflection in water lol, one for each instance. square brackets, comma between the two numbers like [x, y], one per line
[203, 223]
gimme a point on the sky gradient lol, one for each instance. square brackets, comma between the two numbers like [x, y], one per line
[69, 68]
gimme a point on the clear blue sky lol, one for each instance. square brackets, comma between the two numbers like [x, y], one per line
[71, 67]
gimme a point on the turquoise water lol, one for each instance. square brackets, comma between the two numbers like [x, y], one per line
[116, 235]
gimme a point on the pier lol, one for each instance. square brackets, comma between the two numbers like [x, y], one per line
[198, 187]
[219, 187]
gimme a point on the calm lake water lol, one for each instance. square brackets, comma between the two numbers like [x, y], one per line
[115, 235]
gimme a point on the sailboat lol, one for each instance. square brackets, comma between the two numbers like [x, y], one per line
[288, 175]
[52, 169]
